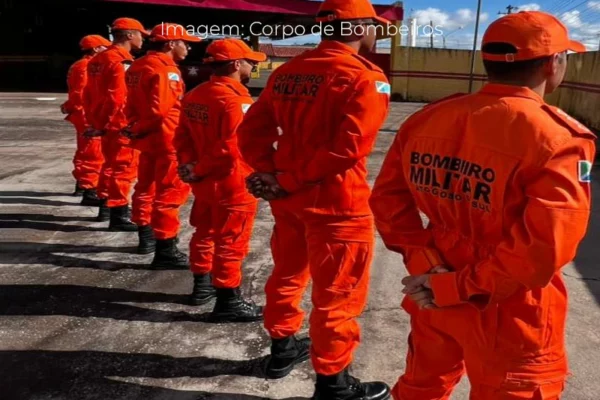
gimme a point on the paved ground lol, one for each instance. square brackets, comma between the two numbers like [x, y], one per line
[82, 318]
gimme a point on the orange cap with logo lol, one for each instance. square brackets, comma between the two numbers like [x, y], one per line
[90, 42]
[167, 31]
[232, 49]
[345, 10]
[129, 24]
[533, 34]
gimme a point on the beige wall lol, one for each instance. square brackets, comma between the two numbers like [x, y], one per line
[424, 75]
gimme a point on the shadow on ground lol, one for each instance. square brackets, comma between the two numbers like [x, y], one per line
[99, 375]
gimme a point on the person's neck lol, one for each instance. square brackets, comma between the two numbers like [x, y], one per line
[235, 76]
[124, 45]
[539, 87]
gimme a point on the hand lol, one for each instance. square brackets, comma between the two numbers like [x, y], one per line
[186, 173]
[265, 186]
[91, 133]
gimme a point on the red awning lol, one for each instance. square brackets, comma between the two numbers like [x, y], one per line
[297, 7]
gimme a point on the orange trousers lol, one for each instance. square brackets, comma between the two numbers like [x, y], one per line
[119, 170]
[444, 343]
[221, 240]
[159, 194]
[88, 157]
[336, 252]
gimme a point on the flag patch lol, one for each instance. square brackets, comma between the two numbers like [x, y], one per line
[585, 171]
[173, 76]
[383, 87]
[245, 108]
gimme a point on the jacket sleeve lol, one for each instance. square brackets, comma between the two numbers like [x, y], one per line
[397, 217]
[76, 81]
[116, 96]
[182, 141]
[161, 98]
[220, 159]
[258, 132]
[364, 114]
[540, 243]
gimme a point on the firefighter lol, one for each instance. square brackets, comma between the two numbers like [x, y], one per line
[155, 89]
[223, 212]
[308, 137]
[503, 178]
[106, 99]
[88, 158]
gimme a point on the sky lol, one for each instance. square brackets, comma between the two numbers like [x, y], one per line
[456, 19]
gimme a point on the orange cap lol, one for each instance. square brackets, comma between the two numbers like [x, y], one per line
[534, 34]
[129, 24]
[92, 41]
[344, 10]
[168, 31]
[232, 49]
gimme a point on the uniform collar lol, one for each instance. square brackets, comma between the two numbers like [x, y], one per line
[237, 86]
[121, 51]
[497, 89]
[332, 45]
[163, 57]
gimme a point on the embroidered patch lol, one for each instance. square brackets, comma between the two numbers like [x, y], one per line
[585, 171]
[383, 87]
[173, 76]
[246, 107]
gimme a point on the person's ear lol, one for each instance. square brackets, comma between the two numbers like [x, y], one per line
[237, 64]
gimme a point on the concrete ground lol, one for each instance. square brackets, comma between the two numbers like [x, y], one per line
[83, 318]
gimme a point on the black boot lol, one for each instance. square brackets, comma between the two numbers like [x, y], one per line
[285, 354]
[103, 212]
[203, 291]
[168, 256]
[91, 199]
[78, 190]
[147, 243]
[120, 221]
[345, 387]
[232, 307]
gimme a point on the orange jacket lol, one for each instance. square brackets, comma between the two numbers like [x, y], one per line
[496, 173]
[314, 125]
[106, 92]
[207, 136]
[155, 89]
[76, 82]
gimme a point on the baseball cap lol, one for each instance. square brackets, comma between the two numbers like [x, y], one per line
[232, 49]
[168, 31]
[92, 41]
[129, 24]
[534, 34]
[343, 10]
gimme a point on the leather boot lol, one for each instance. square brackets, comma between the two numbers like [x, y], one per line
[120, 221]
[203, 291]
[103, 212]
[147, 242]
[343, 386]
[78, 190]
[168, 256]
[232, 307]
[286, 353]
[91, 199]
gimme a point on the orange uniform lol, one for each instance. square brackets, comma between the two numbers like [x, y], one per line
[501, 177]
[155, 90]
[313, 126]
[88, 158]
[224, 211]
[105, 103]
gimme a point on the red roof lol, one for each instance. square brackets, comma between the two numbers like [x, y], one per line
[299, 7]
[283, 51]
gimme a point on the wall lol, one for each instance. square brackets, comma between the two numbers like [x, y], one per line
[425, 75]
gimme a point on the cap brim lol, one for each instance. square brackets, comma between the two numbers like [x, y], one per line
[145, 33]
[577, 47]
[256, 56]
[192, 39]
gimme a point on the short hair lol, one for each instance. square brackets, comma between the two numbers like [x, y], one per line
[220, 67]
[503, 70]
[155, 46]
[121, 34]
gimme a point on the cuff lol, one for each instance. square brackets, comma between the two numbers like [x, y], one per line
[445, 289]
[288, 182]
[423, 260]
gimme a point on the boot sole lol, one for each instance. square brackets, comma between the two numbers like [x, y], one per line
[282, 373]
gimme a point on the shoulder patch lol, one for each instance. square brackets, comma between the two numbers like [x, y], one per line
[576, 127]
[383, 87]
[174, 76]
[126, 64]
[246, 107]
[585, 171]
